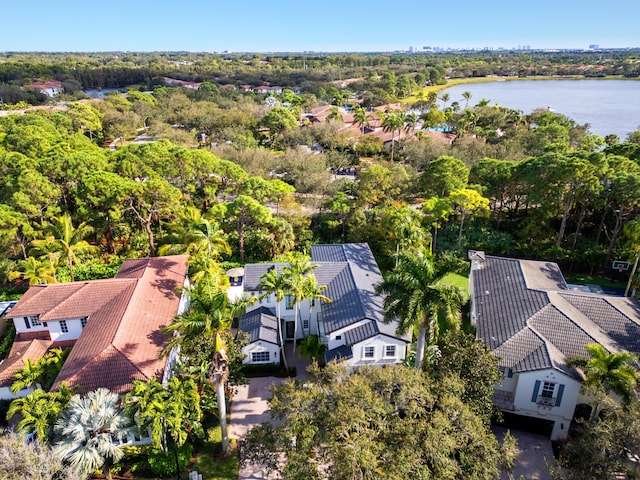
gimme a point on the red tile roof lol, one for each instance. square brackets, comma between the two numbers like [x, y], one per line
[122, 339]
[22, 349]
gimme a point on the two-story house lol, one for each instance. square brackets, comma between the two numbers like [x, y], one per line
[351, 325]
[534, 322]
[114, 325]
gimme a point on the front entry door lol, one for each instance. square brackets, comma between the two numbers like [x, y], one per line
[290, 330]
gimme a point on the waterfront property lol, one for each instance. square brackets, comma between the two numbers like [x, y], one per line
[351, 325]
[114, 325]
[535, 323]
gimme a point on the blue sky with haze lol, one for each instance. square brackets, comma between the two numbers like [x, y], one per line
[329, 25]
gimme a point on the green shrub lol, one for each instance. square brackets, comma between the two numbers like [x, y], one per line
[87, 271]
[164, 463]
[7, 341]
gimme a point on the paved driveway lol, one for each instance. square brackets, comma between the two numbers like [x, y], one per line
[535, 452]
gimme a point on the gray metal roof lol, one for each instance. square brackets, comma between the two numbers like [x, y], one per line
[360, 333]
[260, 324]
[529, 318]
[253, 272]
[350, 273]
[343, 352]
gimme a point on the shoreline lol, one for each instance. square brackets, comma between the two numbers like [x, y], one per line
[471, 80]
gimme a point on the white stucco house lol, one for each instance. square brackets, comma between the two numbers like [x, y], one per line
[114, 326]
[351, 326]
[534, 322]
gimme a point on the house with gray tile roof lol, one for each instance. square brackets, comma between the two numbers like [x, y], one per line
[351, 325]
[534, 322]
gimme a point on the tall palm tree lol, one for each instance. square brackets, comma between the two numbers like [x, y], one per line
[392, 122]
[299, 267]
[445, 99]
[70, 242]
[314, 292]
[360, 118]
[272, 283]
[467, 96]
[416, 295]
[87, 427]
[219, 374]
[632, 233]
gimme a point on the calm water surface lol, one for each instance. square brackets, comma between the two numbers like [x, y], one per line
[608, 106]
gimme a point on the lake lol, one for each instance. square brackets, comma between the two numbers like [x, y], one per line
[608, 106]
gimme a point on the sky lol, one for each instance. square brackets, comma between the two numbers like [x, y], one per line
[324, 26]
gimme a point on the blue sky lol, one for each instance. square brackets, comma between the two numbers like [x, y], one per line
[329, 25]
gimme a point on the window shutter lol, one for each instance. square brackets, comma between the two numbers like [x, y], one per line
[534, 397]
[26, 322]
[560, 392]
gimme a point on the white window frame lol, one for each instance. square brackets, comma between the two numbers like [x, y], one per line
[369, 352]
[64, 328]
[261, 357]
[390, 351]
[548, 394]
[288, 302]
[83, 322]
[35, 320]
[305, 324]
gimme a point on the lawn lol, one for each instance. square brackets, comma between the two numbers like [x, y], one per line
[461, 281]
[211, 464]
[579, 279]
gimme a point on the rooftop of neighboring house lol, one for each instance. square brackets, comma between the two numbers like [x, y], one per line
[45, 85]
[122, 339]
[532, 320]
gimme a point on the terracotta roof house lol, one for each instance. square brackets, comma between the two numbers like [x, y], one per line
[534, 322]
[351, 326]
[114, 325]
[51, 88]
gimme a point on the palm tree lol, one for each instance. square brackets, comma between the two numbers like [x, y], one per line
[273, 283]
[69, 241]
[416, 295]
[392, 122]
[299, 267]
[609, 372]
[219, 374]
[87, 427]
[42, 372]
[445, 99]
[34, 272]
[39, 411]
[360, 118]
[467, 96]
[335, 115]
[170, 413]
[192, 233]
[632, 234]
[314, 292]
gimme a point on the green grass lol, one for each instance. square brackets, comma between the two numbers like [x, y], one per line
[210, 464]
[457, 280]
[591, 280]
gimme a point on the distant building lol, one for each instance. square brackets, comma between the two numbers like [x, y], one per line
[50, 88]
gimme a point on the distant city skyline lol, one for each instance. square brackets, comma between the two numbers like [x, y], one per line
[329, 26]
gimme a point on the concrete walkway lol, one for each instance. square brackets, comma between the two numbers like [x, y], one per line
[250, 407]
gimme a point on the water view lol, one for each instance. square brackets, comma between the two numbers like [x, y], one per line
[608, 106]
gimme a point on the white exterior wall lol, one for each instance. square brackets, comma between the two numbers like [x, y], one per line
[561, 414]
[288, 315]
[74, 326]
[53, 327]
[261, 346]
[379, 344]
[5, 393]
